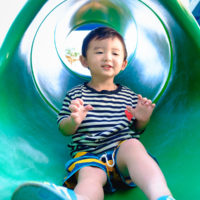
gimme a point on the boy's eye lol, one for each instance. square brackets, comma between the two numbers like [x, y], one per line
[99, 52]
[115, 54]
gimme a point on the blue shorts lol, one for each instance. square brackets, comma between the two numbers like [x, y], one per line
[105, 161]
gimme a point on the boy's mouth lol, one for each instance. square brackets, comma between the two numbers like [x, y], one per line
[107, 67]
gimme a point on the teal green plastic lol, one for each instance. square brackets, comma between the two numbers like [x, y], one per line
[32, 149]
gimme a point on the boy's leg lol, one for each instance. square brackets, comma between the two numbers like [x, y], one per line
[133, 160]
[90, 183]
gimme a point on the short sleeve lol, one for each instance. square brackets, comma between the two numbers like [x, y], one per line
[64, 112]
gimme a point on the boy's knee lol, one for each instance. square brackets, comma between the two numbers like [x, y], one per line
[129, 149]
[92, 174]
[131, 143]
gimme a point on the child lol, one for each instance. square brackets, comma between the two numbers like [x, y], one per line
[105, 121]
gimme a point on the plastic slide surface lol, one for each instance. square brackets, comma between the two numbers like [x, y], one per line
[38, 65]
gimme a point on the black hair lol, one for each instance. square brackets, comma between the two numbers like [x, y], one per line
[101, 33]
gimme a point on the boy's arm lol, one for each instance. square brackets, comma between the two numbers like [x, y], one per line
[142, 112]
[68, 126]
[140, 125]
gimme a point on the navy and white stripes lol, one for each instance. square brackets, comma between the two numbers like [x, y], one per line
[104, 126]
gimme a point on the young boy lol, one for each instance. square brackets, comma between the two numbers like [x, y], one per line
[105, 120]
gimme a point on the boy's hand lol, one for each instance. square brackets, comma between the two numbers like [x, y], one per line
[78, 110]
[142, 112]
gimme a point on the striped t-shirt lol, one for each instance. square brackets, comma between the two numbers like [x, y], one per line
[104, 126]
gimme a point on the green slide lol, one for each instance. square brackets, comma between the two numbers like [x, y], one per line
[39, 64]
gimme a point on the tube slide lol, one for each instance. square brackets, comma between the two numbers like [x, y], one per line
[39, 64]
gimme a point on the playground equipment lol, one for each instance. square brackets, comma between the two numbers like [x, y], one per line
[35, 74]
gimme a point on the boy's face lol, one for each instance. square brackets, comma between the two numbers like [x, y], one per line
[105, 58]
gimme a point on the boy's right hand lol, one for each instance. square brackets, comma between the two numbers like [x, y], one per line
[78, 110]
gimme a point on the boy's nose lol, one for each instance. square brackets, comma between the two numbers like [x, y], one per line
[107, 57]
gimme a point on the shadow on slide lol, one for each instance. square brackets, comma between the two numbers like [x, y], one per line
[38, 66]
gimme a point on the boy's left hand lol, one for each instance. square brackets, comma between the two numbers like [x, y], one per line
[143, 110]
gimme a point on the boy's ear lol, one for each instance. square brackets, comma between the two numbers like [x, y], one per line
[124, 64]
[83, 61]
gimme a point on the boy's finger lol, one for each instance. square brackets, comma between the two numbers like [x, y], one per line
[148, 102]
[80, 101]
[88, 107]
[144, 101]
[75, 102]
[73, 108]
[130, 109]
[139, 97]
[153, 105]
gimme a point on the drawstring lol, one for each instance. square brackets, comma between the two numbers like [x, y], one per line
[106, 158]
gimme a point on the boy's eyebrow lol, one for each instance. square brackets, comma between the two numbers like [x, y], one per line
[116, 49]
[96, 48]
